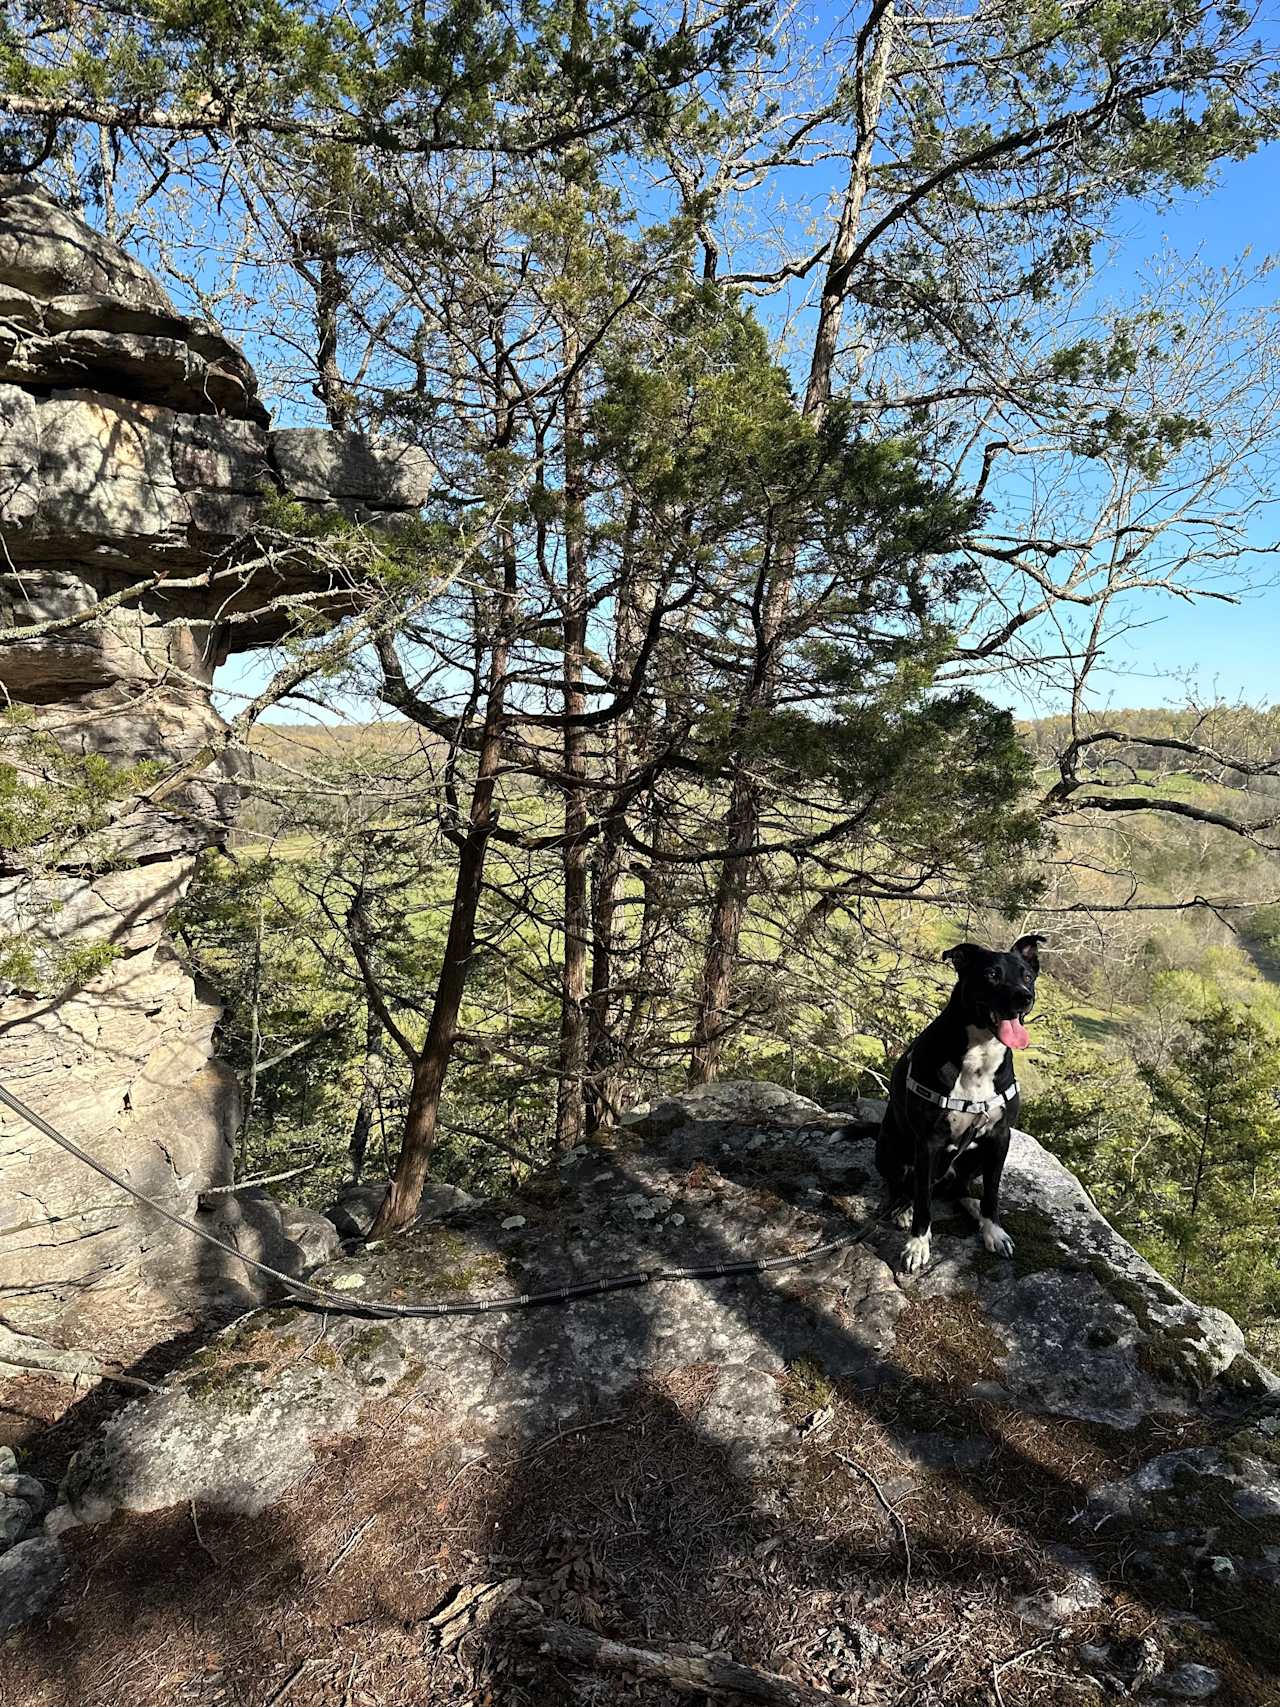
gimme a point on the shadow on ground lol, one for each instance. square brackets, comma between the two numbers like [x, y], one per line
[903, 1545]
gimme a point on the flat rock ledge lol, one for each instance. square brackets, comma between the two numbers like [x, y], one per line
[1147, 1434]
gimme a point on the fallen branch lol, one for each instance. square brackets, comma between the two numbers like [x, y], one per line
[697, 1674]
[351, 1542]
[25, 1353]
[465, 1608]
[500, 1608]
[200, 1540]
[892, 1510]
[295, 1676]
[1000, 1666]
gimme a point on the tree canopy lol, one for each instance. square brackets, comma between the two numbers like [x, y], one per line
[784, 429]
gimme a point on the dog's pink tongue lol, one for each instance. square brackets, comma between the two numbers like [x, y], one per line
[1012, 1033]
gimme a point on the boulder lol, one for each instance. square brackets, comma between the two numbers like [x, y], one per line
[184, 1454]
[353, 1210]
[31, 1575]
[320, 466]
[1130, 1348]
[1188, 1682]
[14, 1485]
[19, 456]
[48, 251]
[313, 1233]
[16, 1518]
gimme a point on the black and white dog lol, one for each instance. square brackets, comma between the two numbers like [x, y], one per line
[953, 1097]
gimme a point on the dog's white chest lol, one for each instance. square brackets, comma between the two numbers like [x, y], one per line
[976, 1082]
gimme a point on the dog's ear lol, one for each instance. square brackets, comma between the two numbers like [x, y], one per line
[962, 954]
[1029, 948]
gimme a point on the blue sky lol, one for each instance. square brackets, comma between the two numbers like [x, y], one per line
[1205, 649]
[1230, 651]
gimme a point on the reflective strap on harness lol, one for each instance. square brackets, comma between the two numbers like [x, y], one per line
[961, 1105]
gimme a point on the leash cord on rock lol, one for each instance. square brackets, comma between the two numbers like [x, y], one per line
[379, 1307]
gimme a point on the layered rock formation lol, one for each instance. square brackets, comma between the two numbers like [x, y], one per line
[867, 1485]
[136, 463]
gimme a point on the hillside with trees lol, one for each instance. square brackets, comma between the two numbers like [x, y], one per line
[553, 558]
[783, 423]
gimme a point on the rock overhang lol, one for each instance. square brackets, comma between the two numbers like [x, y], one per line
[139, 477]
[134, 448]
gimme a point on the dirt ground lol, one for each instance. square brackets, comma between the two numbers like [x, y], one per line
[868, 1576]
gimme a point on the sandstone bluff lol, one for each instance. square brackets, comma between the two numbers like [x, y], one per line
[135, 457]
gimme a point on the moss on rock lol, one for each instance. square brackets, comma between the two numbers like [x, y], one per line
[1037, 1245]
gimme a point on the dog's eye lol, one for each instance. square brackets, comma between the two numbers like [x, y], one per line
[993, 974]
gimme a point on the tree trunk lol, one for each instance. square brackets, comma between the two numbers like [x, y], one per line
[742, 824]
[570, 1091]
[375, 1061]
[602, 1067]
[636, 1024]
[330, 294]
[871, 78]
[740, 830]
[255, 1043]
[610, 869]
[429, 1069]
[401, 1202]
[711, 1025]
[1206, 1131]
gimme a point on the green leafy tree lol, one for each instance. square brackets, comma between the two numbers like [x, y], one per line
[1182, 1153]
[289, 1028]
[1210, 1201]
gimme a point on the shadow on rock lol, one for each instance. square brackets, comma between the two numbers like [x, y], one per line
[886, 1492]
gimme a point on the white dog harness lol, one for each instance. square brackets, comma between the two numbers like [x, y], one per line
[961, 1105]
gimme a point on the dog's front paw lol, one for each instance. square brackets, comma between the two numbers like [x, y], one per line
[996, 1239]
[916, 1254]
[902, 1215]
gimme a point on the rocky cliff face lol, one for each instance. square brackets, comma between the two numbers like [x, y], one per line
[1053, 1472]
[135, 459]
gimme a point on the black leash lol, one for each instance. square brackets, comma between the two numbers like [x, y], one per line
[343, 1305]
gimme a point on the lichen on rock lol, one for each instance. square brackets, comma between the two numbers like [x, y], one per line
[973, 1400]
